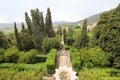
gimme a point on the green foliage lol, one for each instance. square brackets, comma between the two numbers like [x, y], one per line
[6, 74]
[1, 54]
[107, 34]
[93, 57]
[11, 55]
[69, 41]
[70, 32]
[82, 39]
[59, 31]
[23, 27]
[86, 75]
[38, 38]
[25, 41]
[11, 39]
[75, 59]
[49, 43]
[23, 67]
[99, 74]
[58, 37]
[64, 35]
[2, 51]
[76, 32]
[3, 41]
[28, 57]
[49, 27]
[17, 36]
[50, 63]
[29, 23]
[41, 58]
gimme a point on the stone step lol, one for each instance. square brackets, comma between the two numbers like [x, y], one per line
[48, 78]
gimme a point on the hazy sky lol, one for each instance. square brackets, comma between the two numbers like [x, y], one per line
[67, 10]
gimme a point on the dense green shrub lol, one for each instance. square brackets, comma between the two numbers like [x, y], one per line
[3, 41]
[27, 57]
[26, 42]
[41, 58]
[2, 51]
[58, 37]
[75, 59]
[49, 43]
[86, 75]
[11, 55]
[1, 55]
[99, 74]
[82, 39]
[6, 74]
[69, 41]
[93, 57]
[23, 67]
[1, 58]
[50, 63]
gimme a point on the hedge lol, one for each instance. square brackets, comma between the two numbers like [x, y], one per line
[100, 74]
[50, 63]
[6, 74]
[41, 58]
[75, 58]
[23, 67]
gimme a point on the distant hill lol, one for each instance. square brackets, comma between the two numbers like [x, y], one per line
[91, 19]
[61, 23]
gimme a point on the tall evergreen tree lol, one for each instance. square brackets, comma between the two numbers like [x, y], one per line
[64, 35]
[40, 21]
[17, 36]
[42, 24]
[106, 35]
[29, 23]
[23, 27]
[82, 39]
[49, 27]
[59, 31]
[37, 30]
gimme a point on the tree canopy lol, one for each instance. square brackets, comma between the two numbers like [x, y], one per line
[107, 34]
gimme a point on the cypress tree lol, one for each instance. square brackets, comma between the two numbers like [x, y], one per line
[42, 24]
[23, 27]
[64, 35]
[37, 30]
[17, 36]
[82, 39]
[40, 21]
[49, 27]
[59, 31]
[29, 23]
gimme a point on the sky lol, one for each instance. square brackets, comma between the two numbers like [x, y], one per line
[61, 10]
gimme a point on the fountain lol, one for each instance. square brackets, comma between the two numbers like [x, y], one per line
[64, 69]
